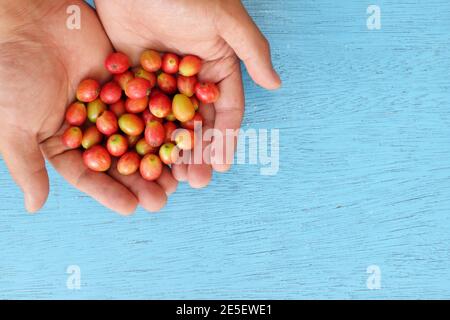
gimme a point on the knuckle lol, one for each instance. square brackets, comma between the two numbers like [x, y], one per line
[265, 45]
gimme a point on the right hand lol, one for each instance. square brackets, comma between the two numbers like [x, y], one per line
[221, 33]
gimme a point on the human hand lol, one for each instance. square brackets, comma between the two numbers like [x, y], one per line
[41, 64]
[219, 32]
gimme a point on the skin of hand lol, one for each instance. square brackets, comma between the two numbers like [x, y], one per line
[220, 32]
[41, 64]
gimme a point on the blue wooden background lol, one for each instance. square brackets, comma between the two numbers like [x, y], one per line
[364, 180]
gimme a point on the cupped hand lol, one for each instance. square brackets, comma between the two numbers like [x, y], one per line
[218, 31]
[41, 64]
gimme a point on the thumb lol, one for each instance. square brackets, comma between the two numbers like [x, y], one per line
[238, 29]
[27, 167]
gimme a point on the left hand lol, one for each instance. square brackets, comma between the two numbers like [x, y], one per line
[41, 64]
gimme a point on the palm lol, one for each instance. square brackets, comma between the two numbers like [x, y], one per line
[179, 26]
[39, 105]
[188, 28]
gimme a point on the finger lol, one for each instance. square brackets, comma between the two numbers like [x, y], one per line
[100, 186]
[239, 30]
[151, 195]
[27, 167]
[229, 110]
[180, 172]
[200, 174]
[167, 181]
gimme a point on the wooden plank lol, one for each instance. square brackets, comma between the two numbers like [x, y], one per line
[364, 180]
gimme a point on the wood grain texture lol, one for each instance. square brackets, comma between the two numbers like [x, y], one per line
[364, 179]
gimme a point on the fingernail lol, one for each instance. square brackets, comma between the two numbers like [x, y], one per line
[29, 204]
[277, 77]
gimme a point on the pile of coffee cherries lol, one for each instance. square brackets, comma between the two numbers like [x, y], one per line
[144, 116]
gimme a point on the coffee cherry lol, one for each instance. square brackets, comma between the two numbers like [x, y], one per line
[169, 127]
[95, 109]
[128, 163]
[131, 124]
[143, 148]
[136, 105]
[186, 85]
[184, 139]
[72, 137]
[97, 159]
[171, 117]
[91, 137]
[154, 133]
[195, 123]
[117, 145]
[182, 108]
[190, 66]
[118, 108]
[140, 72]
[123, 78]
[110, 93]
[133, 140]
[117, 63]
[137, 88]
[160, 105]
[107, 123]
[167, 83]
[147, 116]
[170, 63]
[169, 153]
[207, 92]
[151, 167]
[76, 114]
[151, 60]
[88, 90]
[195, 103]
